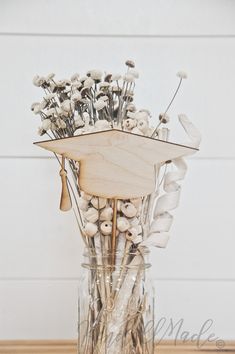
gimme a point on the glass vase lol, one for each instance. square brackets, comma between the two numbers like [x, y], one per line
[116, 304]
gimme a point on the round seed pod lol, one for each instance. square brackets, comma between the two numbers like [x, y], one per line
[131, 233]
[91, 215]
[90, 229]
[98, 202]
[129, 210]
[86, 196]
[136, 202]
[122, 224]
[106, 214]
[106, 228]
[83, 204]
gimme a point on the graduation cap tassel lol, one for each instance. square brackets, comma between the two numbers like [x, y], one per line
[65, 200]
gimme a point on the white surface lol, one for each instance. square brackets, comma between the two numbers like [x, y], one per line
[40, 250]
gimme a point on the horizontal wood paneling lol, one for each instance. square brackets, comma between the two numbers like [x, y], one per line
[46, 309]
[37, 240]
[172, 17]
[207, 96]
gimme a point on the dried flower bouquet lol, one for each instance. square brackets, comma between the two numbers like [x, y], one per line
[116, 231]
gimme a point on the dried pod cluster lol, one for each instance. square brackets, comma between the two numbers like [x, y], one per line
[98, 217]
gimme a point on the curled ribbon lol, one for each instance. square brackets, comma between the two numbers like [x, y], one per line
[162, 219]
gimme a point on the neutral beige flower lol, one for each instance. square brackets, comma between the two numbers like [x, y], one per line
[75, 77]
[67, 105]
[100, 104]
[102, 124]
[88, 83]
[134, 73]
[182, 74]
[96, 75]
[78, 121]
[116, 77]
[128, 78]
[60, 123]
[130, 63]
[164, 118]
[76, 97]
[46, 124]
[129, 124]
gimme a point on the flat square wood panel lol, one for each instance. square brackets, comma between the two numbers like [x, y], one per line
[116, 164]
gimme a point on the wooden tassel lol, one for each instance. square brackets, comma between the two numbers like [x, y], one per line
[65, 200]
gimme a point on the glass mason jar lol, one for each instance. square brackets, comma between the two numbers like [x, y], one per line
[116, 304]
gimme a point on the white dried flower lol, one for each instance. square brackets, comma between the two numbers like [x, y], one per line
[41, 131]
[146, 111]
[100, 104]
[164, 118]
[38, 80]
[49, 96]
[142, 115]
[46, 124]
[106, 228]
[96, 75]
[50, 77]
[60, 123]
[182, 74]
[143, 126]
[128, 78]
[116, 77]
[129, 124]
[76, 97]
[76, 85]
[78, 121]
[130, 63]
[104, 85]
[134, 73]
[36, 107]
[88, 83]
[67, 105]
[102, 124]
[104, 98]
[75, 77]
[50, 112]
[130, 107]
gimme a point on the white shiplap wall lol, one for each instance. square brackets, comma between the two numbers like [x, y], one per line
[40, 249]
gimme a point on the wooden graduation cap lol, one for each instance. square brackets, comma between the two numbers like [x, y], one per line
[114, 163]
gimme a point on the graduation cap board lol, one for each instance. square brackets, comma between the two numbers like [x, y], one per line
[116, 164]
